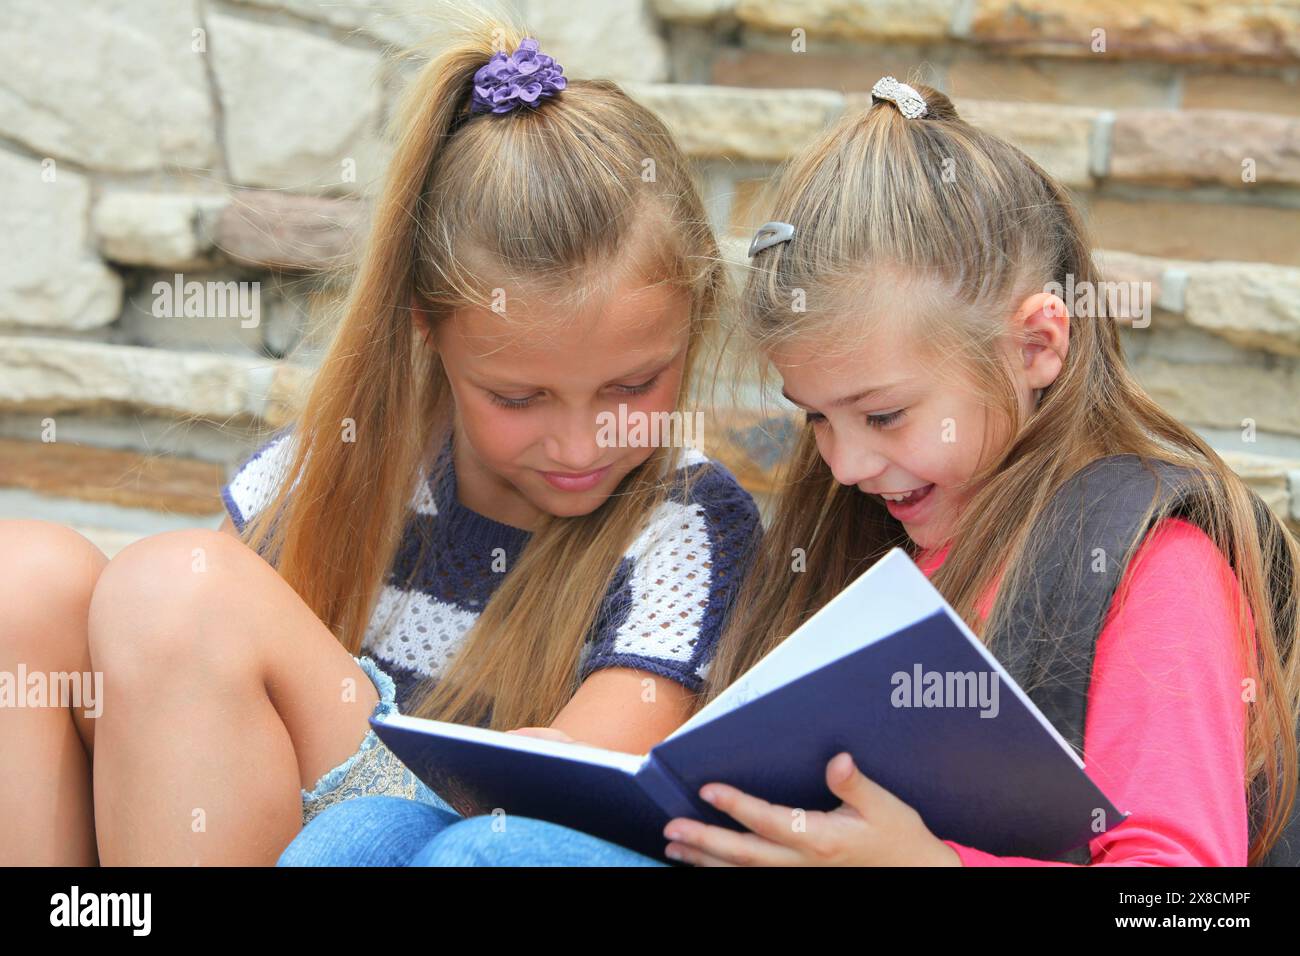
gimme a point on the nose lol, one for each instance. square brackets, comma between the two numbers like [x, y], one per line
[571, 442]
[852, 462]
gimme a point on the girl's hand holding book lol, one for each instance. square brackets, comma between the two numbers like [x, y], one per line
[871, 827]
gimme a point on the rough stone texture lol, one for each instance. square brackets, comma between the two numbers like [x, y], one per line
[289, 122]
[1097, 83]
[1204, 146]
[842, 71]
[614, 39]
[1225, 30]
[154, 229]
[49, 278]
[1266, 476]
[145, 320]
[224, 442]
[1056, 137]
[107, 84]
[123, 478]
[399, 23]
[692, 11]
[720, 122]
[53, 375]
[284, 231]
[1176, 229]
[887, 19]
[1223, 395]
[1248, 303]
[1117, 266]
[1221, 90]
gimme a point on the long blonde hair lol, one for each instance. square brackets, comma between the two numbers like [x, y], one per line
[872, 206]
[552, 196]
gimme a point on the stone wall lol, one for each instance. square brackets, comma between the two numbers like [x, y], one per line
[237, 141]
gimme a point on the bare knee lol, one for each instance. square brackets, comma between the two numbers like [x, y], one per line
[158, 605]
[48, 573]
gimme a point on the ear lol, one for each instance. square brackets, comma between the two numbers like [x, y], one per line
[420, 318]
[1042, 325]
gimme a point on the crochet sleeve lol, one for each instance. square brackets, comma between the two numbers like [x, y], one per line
[257, 479]
[674, 588]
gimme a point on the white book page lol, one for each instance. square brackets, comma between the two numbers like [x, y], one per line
[890, 595]
[582, 753]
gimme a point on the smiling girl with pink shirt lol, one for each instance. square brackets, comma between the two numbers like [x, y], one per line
[949, 393]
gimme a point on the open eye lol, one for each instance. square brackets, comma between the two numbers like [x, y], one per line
[813, 418]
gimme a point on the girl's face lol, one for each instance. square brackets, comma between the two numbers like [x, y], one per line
[886, 424]
[529, 387]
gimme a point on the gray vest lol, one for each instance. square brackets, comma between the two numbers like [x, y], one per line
[1051, 655]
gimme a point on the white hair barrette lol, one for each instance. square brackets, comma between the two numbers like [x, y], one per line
[908, 101]
[770, 234]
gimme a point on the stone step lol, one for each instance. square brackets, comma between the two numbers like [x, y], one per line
[50, 375]
[1251, 160]
[1174, 31]
[111, 496]
[125, 479]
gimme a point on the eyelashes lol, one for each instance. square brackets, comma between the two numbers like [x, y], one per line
[518, 403]
[504, 402]
[884, 421]
[875, 421]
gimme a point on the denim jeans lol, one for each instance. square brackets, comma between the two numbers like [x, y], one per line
[391, 831]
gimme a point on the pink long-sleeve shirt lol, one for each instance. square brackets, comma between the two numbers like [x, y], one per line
[1165, 732]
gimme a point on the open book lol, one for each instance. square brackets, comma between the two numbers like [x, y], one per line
[885, 670]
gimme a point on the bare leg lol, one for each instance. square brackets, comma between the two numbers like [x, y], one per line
[223, 696]
[47, 575]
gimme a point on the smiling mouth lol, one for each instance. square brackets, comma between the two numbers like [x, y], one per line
[905, 495]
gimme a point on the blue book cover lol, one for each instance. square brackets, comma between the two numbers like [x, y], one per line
[885, 670]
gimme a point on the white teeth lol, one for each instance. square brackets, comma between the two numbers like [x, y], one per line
[903, 496]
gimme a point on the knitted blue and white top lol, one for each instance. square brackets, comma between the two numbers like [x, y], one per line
[663, 612]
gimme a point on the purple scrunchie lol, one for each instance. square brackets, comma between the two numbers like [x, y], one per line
[506, 83]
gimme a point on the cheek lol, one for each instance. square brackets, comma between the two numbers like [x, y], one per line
[497, 434]
[935, 447]
[662, 397]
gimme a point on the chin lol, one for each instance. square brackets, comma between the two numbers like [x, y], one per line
[575, 506]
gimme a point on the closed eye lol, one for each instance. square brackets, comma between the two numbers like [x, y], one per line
[511, 402]
[516, 403]
[639, 389]
[885, 420]
[875, 421]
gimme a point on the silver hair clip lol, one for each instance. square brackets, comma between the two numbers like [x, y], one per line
[770, 234]
[908, 101]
